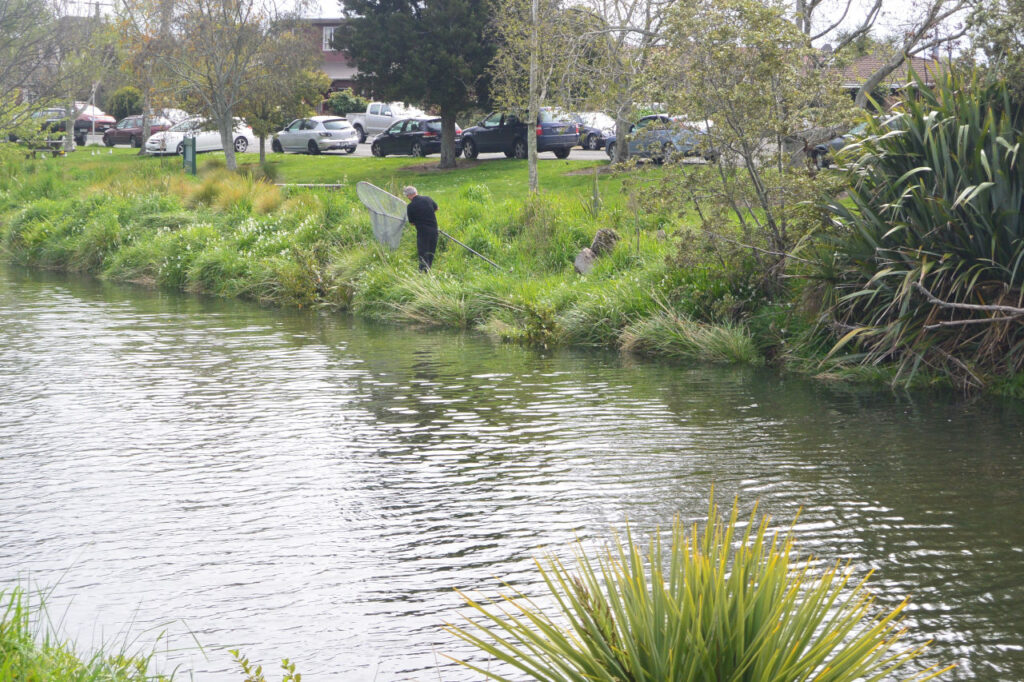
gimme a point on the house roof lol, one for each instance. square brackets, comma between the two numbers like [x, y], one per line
[861, 68]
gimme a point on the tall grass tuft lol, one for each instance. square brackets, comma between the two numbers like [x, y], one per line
[732, 603]
[31, 651]
[667, 334]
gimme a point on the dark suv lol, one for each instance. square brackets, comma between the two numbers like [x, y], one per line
[506, 132]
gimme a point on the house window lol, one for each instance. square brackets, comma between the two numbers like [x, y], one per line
[329, 38]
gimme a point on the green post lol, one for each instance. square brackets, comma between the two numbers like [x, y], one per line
[188, 155]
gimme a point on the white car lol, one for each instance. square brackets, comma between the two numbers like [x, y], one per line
[316, 134]
[172, 140]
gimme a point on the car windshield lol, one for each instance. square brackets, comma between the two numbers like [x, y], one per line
[548, 116]
[336, 124]
[434, 125]
[184, 126]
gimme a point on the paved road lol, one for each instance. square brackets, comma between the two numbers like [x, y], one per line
[364, 150]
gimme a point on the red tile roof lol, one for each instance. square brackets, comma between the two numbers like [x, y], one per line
[862, 67]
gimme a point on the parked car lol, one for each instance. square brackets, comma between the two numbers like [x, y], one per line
[821, 154]
[658, 136]
[54, 120]
[49, 123]
[129, 130]
[380, 116]
[316, 134]
[172, 140]
[415, 136]
[506, 132]
[91, 120]
[595, 128]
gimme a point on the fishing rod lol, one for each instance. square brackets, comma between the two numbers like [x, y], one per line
[476, 253]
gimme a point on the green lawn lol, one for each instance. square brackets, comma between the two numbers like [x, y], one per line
[505, 178]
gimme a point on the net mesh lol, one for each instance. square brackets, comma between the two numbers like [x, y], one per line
[387, 213]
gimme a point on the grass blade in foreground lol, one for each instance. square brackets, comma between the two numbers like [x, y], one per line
[731, 603]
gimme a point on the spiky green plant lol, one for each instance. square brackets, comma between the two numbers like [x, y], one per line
[929, 259]
[731, 603]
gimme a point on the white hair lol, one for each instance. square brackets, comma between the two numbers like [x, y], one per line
[409, 191]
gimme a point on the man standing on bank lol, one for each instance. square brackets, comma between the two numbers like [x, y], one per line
[420, 211]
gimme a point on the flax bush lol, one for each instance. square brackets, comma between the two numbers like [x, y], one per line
[928, 261]
[731, 603]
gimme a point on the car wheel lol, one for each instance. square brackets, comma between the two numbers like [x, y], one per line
[519, 149]
[593, 144]
[469, 149]
[276, 146]
[134, 142]
[362, 133]
[417, 149]
[350, 150]
[611, 151]
[509, 154]
[180, 151]
[241, 144]
[376, 150]
[562, 153]
[312, 147]
[664, 155]
[109, 141]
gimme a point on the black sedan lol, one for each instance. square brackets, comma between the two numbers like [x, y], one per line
[413, 136]
[506, 132]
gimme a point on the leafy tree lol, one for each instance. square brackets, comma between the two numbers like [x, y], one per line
[433, 52]
[27, 31]
[536, 63]
[738, 70]
[926, 24]
[144, 27]
[216, 54]
[345, 102]
[998, 29]
[291, 83]
[632, 31]
[125, 102]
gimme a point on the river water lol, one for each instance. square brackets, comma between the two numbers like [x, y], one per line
[302, 485]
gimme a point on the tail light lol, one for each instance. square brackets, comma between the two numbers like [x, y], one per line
[540, 130]
[430, 134]
[458, 130]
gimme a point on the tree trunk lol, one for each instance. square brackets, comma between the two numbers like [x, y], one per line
[227, 140]
[534, 105]
[69, 127]
[448, 156]
[868, 86]
[145, 123]
[621, 134]
[263, 150]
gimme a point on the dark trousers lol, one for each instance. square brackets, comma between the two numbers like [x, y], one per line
[426, 245]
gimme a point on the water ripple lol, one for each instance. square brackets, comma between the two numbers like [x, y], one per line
[304, 486]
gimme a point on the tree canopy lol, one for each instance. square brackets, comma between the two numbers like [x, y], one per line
[431, 52]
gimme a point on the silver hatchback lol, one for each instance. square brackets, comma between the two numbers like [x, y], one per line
[316, 134]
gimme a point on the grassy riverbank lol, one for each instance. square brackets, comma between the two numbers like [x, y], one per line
[134, 219]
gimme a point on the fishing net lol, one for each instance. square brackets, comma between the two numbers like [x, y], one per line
[387, 213]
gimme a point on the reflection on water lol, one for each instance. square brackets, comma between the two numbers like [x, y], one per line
[301, 485]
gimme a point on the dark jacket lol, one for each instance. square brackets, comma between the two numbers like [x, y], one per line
[420, 212]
